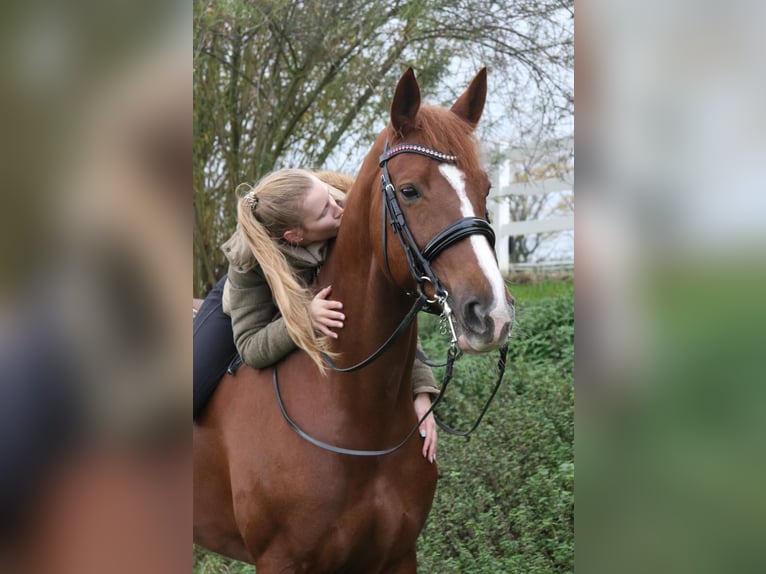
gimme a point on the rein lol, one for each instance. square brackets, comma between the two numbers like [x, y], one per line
[419, 263]
[419, 304]
[452, 355]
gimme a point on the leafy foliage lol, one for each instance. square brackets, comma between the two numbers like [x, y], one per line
[505, 500]
[545, 332]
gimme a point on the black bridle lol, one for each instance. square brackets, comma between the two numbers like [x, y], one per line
[419, 262]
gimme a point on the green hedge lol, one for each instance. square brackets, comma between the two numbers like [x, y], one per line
[505, 498]
[544, 332]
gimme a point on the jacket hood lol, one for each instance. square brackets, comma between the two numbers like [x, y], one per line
[240, 256]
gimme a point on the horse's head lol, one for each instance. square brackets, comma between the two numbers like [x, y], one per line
[440, 191]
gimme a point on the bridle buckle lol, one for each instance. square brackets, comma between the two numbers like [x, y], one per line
[447, 318]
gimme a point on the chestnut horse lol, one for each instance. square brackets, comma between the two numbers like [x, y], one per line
[263, 494]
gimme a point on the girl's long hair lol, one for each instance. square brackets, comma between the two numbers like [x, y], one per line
[264, 213]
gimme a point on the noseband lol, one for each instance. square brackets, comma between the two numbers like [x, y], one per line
[419, 261]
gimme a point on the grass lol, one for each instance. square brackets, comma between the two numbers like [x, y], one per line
[209, 563]
[528, 288]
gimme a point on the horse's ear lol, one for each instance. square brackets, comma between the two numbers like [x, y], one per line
[406, 103]
[470, 105]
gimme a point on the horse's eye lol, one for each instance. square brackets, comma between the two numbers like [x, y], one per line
[409, 192]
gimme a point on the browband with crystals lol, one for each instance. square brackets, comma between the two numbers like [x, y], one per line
[417, 148]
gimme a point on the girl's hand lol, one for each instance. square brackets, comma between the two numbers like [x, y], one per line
[427, 427]
[325, 313]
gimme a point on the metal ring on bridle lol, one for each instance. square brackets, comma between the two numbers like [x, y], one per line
[421, 282]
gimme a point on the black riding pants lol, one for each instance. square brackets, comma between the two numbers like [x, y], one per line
[214, 347]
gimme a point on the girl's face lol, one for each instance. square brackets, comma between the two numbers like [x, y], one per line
[321, 214]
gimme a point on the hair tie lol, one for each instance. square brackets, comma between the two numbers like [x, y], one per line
[252, 200]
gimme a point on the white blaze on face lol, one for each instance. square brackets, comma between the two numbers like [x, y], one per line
[481, 246]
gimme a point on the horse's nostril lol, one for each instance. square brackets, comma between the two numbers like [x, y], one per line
[476, 317]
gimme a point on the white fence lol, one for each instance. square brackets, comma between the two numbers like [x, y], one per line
[544, 266]
[499, 209]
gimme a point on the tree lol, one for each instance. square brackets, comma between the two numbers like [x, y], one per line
[307, 83]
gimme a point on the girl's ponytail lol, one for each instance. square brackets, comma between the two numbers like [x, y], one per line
[264, 213]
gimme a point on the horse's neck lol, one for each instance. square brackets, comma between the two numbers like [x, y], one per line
[374, 308]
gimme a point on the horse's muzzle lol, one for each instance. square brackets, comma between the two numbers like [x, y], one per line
[484, 327]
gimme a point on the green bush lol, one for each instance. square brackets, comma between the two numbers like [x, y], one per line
[544, 331]
[505, 498]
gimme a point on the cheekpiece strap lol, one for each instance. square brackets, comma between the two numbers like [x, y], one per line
[416, 148]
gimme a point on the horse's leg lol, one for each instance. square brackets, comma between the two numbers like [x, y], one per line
[215, 527]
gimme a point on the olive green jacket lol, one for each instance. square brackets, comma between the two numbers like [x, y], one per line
[260, 333]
